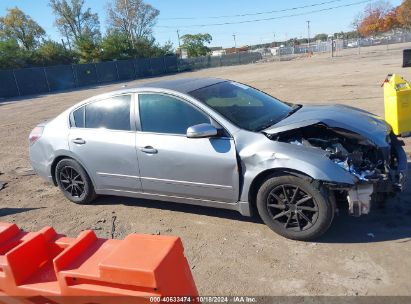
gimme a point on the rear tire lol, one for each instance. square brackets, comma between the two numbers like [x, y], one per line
[74, 182]
[295, 208]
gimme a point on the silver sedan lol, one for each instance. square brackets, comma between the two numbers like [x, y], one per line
[223, 144]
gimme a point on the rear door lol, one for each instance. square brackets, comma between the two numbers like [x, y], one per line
[102, 137]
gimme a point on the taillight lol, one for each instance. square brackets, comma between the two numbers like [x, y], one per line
[35, 134]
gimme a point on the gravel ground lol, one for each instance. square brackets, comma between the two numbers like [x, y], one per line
[230, 254]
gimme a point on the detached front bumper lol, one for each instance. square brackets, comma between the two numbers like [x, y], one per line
[359, 197]
[399, 175]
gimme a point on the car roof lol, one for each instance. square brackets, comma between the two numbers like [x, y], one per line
[183, 85]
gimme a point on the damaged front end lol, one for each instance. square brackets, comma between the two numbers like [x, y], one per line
[379, 169]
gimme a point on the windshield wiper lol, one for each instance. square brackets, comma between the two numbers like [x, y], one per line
[294, 109]
[267, 125]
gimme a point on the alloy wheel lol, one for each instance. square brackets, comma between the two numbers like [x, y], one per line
[71, 182]
[291, 207]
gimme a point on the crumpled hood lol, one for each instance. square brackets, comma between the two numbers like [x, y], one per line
[355, 120]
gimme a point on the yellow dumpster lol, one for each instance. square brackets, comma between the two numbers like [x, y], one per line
[397, 104]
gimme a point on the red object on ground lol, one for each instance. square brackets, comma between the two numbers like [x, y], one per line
[51, 266]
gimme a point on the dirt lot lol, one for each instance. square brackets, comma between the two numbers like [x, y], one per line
[230, 254]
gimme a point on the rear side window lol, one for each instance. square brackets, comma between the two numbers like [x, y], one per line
[166, 114]
[112, 113]
[78, 116]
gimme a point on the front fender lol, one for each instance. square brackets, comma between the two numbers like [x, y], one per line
[257, 159]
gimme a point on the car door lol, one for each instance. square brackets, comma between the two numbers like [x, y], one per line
[172, 164]
[102, 137]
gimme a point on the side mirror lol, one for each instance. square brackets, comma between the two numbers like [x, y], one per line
[201, 131]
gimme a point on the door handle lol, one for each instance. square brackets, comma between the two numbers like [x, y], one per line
[79, 141]
[148, 150]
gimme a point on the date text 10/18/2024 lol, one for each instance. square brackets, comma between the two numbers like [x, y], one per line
[204, 299]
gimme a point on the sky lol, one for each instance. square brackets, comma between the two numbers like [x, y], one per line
[285, 21]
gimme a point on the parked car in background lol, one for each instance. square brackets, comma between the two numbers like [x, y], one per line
[352, 44]
[219, 143]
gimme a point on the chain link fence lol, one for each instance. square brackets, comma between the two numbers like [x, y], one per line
[203, 62]
[335, 47]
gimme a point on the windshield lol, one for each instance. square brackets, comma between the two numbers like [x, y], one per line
[246, 107]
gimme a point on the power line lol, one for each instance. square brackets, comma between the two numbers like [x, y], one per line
[267, 19]
[255, 14]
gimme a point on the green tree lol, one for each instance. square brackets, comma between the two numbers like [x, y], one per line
[146, 47]
[115, 45]
[74, 21]
[80, 26]
[88, 49]
[166, 50]
[53, 53]
[20, 27]
[195, 44]
[134, 18]
[294, 42]
[322, 37]
[351, 35]
[12, 55]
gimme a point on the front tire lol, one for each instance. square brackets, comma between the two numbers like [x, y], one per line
[295, 208]
[74, 182]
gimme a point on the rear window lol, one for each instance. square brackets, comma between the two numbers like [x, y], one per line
[78, 116]
[112, 113]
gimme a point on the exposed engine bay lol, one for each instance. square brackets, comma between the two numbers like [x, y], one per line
[373, 166]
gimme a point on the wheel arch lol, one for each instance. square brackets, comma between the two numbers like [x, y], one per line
[58, 158]
[264, 175]
[54, 165]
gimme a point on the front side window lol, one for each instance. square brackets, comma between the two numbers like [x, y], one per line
[246, 107]
[112, 113]
[166, 114]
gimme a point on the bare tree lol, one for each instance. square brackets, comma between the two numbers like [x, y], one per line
[74, 21]
[133, 17]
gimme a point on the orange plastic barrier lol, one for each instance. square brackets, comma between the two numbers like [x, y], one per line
[142, 268]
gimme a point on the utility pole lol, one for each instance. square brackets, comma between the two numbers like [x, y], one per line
[235, 43]
[274, 39]
[178, 36]
[308, 29]
[179, 45]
